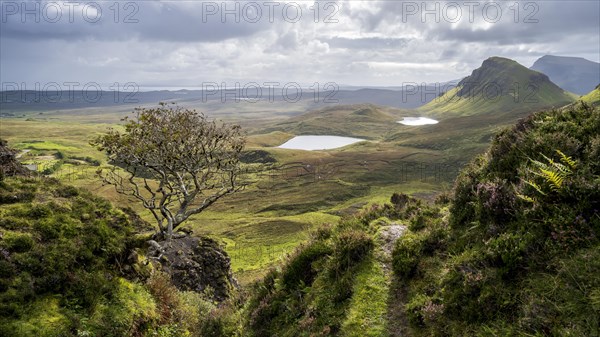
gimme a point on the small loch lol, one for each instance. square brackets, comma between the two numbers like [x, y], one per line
[415, 121]
[311, 143]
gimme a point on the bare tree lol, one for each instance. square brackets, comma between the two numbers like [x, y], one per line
[174, 161]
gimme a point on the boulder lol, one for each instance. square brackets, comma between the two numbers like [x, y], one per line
[195, 263]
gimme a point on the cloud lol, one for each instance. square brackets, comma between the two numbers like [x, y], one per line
[368, 43]
[349, 42]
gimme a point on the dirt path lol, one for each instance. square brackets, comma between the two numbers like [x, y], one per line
[397, 322]
[21, 154]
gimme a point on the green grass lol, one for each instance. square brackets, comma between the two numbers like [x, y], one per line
[368, 307]
[46, 146]
[332, 281]
[592, 98]
[361, 120]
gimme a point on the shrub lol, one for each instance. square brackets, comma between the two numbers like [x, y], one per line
[436, 238]
[10, 197]
[180, 313]
[51, 169]
[221, 322]
[461, 210]
[509, 250]
[593, 152]
[406, 254]
[414, 309]
[299, 270]
[18, 242]
[350, 247]
[39, 211]
[49, 229]
[14, 223]
[443, 198]
[399, 200]
[417, 223]
[496, 201]
[67, 192]
[322, 233]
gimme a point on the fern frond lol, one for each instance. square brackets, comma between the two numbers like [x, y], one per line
[549, 160]
[534, 185]
[555, 179]
[562, 168]
[539, 164]
[526, 198]
[567, 160]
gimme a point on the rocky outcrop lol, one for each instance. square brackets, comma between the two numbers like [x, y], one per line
[196, 264]
[9, 165]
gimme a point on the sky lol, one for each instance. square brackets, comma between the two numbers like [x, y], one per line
[359, 43]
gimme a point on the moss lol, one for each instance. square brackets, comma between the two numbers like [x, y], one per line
[45, 318]
[50, 253]
[130, 311]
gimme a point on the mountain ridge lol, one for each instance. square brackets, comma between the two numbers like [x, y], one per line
[574, 74]
[500, 85]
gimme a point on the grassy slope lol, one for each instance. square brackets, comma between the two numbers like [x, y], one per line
[485, 263]
[267, 220]
[70, 266]
[338, 283]
[592, 98]
[511, 260]
[59, 245]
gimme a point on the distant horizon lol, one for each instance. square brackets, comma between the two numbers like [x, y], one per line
[231, 85]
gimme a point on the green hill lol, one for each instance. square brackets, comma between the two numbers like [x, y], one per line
[359, 120]
[592, 98]
[69, 267]
[521, 252]
[514, 251]
[499, 85]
